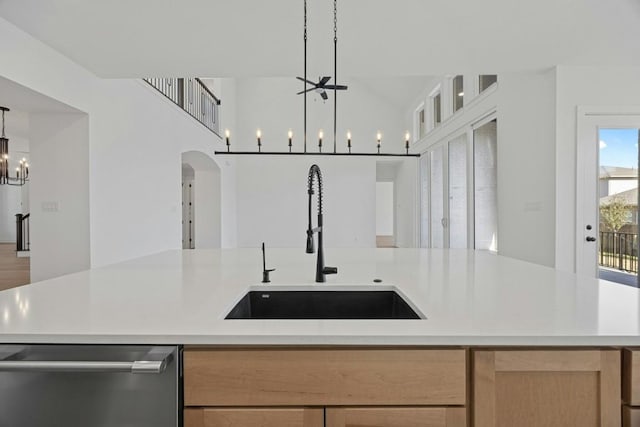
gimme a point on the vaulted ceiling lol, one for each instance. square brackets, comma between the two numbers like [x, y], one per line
[135, 38]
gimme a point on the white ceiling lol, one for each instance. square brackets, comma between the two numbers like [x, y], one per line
[135, 38]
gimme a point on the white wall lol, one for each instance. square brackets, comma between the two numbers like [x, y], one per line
[272, 201]
[228, 198]
[135, 140]
[271, 195]
[526, 165]
[384, 209]
[272, 105]
[590, 87]
[59, 194]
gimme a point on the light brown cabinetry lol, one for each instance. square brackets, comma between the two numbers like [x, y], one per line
[631, 387]
[324, 377]
[546, 388]
[396, 417]
[340, 387]
[254, 417]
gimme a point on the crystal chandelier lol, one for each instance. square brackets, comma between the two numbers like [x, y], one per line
[21, 176]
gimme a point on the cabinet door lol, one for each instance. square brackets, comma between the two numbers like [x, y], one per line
[630, 417]
[396, 417]
[547, 388]
[246, 417]
[631, 377]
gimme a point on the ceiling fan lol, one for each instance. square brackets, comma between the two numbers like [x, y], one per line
[321, 87]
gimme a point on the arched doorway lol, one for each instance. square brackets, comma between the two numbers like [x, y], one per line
[201, 213]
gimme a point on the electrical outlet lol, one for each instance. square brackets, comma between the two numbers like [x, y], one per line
[50, 207]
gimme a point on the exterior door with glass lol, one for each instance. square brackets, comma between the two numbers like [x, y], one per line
[607, 196]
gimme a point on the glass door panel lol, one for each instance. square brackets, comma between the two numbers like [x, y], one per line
[436, 198]
[485, 162]
[618, 205]
[458, 193]
[424, 200]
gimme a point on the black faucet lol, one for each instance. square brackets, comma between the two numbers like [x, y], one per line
[321, 270]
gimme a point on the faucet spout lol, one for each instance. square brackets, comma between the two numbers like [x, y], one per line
[316, 175]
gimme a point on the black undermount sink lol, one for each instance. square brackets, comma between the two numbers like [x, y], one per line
[322, 304]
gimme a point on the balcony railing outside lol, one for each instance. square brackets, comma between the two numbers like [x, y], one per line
[619, 251]
[192, 96]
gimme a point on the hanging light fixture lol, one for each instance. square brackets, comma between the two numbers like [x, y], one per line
[321, 87]
[21, 175]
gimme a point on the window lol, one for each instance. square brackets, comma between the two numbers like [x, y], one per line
[422, 129]
[458, 93]
[487, 80]
[437, 110]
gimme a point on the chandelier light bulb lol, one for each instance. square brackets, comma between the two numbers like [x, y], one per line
[290, 134]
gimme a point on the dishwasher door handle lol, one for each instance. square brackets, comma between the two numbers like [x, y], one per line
[164, 356]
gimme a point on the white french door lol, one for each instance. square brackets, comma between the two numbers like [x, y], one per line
[604, 248]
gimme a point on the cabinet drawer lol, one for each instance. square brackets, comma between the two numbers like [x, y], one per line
[631, 376]
[396, 417]
[331, 377]
[245, 417]
[630, 417]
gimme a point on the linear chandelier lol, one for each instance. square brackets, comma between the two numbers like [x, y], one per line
[320, 87]
[21, 171]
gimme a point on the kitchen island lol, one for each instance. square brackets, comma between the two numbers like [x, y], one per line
[181, 297]
[503, 342]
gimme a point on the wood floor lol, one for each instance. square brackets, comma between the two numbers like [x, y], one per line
[385, 242]
[14, 271]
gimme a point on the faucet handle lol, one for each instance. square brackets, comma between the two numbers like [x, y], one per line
[330, 270]
[265, 275]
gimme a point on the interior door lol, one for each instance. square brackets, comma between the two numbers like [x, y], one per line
[606, 248]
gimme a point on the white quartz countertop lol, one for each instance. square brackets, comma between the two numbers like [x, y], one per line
[181, 297]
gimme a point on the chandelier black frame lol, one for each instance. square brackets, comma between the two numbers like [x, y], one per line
[335, 112]
[22, 170]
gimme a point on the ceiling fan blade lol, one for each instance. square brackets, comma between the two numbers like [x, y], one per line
[336, 87]
[324, 81]
[306, 81]
[304, 91]
[324, 95]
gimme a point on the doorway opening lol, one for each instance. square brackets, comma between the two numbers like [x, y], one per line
[618, 205]
[201, 202]
[188, 218]
[386, 203]
[384, 215]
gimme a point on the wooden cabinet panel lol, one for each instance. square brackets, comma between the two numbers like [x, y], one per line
[631, 376]
[223, 417]
[630, 417]
[396, 417]
[546, 388]
[324, 377]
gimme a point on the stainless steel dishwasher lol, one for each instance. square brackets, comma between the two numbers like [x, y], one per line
[90, 386]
